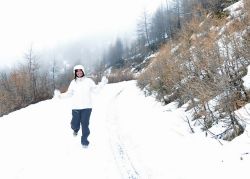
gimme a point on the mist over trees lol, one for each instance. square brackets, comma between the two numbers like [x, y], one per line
[23, 85]
[154, 30]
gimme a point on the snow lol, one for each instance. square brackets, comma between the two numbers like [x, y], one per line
[246, 79]
[132, 136]
[235, 9]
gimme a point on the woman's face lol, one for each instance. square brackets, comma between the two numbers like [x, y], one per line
[79, 73]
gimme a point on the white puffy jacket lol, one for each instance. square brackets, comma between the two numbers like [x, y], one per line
[80, 91]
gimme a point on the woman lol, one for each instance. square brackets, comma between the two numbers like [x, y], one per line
[80, 90]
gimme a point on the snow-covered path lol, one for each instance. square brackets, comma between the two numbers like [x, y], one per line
[132, 137]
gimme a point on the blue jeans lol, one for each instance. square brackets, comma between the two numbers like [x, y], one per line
[81, 117]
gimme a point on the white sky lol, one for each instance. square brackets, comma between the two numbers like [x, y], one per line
[45, 23]
[141, 140]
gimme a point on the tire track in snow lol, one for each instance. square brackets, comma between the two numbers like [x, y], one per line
[124, 162]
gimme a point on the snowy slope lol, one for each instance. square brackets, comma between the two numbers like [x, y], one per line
[132, 136]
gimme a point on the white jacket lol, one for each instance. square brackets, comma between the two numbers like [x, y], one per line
[81, 90]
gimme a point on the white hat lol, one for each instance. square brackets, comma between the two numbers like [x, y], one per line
[78, 67]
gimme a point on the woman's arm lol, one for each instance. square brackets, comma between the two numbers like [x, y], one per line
[68, 93]
[96, 88]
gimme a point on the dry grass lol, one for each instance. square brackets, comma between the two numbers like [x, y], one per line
[119, 75]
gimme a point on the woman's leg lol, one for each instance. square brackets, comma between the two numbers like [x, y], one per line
[75, 122]
[85, 116]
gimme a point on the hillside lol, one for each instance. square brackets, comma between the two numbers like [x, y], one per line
[204, 68]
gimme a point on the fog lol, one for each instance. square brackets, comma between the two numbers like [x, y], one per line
[66, 30]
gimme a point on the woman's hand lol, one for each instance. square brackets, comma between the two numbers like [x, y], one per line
[104, 80]
[57, 94]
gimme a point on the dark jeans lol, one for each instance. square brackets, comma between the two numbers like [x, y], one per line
[81, 117]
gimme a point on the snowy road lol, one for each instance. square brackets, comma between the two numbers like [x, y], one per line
[37, 142]
[125, 164]
[132, 137]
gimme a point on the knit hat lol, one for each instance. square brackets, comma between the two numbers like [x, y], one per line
[78, 67]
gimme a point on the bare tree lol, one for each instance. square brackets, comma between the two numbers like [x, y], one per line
[159, 26]
[169, 25]
[32, 67]
[143, 29]
[54, 72]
